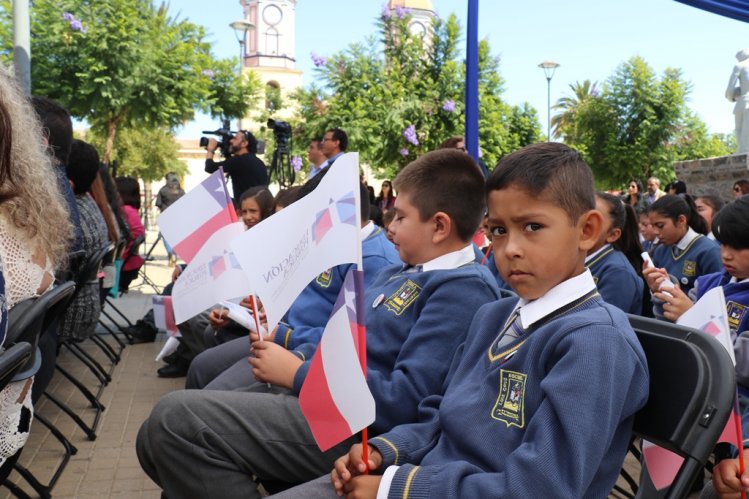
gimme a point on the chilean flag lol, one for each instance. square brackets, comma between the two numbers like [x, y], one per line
[335, 398]
[193, 218]
[709, 316]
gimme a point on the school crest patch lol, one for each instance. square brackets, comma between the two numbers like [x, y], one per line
[324, 279]
[403, 298]
[510, 405]
[690, 269]
[735, 314]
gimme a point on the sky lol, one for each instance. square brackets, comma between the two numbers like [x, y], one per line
[588, 38]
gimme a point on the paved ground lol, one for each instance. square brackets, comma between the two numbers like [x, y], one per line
[108, 466]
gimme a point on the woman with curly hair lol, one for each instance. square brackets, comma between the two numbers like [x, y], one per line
[34, 235]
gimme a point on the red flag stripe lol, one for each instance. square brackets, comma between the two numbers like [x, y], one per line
[189, 247]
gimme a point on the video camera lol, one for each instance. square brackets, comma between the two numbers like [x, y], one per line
[282, 134]
[226, 135]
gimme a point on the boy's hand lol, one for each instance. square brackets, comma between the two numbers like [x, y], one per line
[362, 487]
[675, 303]
[726, 479]
[654, 276]
[218, 318]
[272, 363]
[352, 465]
[247, 303]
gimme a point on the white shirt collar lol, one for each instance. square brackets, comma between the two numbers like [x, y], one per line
[596, 253]
[734, 280]
[367, 230]
[451, 260]
[687, 239]
[557, 297]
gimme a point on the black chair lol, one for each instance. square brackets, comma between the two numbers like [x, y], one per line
[26, 322]
[692, 389]
[113, 327]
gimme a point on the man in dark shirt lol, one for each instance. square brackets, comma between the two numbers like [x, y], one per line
[243, 167]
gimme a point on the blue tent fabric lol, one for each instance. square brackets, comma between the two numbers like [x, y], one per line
[735, 9]
[472, 81]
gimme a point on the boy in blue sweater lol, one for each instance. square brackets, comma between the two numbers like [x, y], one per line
[212, 443]
[540, 400]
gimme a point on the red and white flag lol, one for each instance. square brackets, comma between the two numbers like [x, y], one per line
[335, 398]
[194, 217]
[709, 316]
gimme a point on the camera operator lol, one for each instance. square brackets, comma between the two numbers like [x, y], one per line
[244, 167]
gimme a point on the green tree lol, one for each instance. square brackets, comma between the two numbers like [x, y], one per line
[376, 92]
[118, 63]
[563, 123]
[231, 96]
[638, 125]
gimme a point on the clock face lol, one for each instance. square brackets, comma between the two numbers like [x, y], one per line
[272, 15]
[417, 28]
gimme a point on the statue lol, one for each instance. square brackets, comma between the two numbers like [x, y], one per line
[740, 95]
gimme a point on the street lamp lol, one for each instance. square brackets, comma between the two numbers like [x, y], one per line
[241, 27]
[549, 67]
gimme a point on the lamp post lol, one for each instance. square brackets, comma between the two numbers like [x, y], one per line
[241, 27]
[549, 67]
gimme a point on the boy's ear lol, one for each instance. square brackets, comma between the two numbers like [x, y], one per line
[443, 227]
[590, 225]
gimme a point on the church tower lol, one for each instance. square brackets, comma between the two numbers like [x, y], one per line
[269, 46]
[421, 12]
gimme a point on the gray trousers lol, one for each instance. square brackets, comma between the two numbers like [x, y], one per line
[208, 365]
[320, 488]
[214, 444]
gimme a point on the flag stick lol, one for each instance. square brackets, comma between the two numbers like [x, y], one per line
[737, 421]
[363, 361]
[486, 254]
[253, 301]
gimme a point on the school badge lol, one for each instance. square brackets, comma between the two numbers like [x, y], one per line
[735, 313]
[510, 404]
[324, 279]
[405, 296]
[690, 269]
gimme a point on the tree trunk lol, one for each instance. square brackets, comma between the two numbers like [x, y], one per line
[112, 125]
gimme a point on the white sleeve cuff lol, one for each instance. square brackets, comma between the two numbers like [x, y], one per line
[387, 479]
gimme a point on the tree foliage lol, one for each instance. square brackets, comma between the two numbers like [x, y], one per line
[378, 91]
[636, 127]
[229, 96]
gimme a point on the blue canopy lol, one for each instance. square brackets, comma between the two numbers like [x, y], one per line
[735, 9]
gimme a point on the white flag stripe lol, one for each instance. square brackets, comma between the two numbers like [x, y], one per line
[343, 371]
[203, 207]
[283, 253]
[711, 307]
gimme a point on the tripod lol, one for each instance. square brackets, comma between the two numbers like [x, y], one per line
[280, 167]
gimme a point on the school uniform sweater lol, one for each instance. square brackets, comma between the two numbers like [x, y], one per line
[548, 415]
[617, 282]
[701, 256]
[737, 303]
[415, 322]
[308, 315]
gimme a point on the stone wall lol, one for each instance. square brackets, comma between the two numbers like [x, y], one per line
[713, 175]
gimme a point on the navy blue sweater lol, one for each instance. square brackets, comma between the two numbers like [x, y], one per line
[701, 257]
[415, 323]
[308, 315]
[617, 281]
[549, 415]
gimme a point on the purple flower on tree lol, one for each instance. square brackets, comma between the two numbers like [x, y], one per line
[385, 13]
[296, 162]
[449, 106]
[76, 25]
[404, 151]
[318, 60]
[68, 17]
[401, 12]
[209, 73]
[410, 135]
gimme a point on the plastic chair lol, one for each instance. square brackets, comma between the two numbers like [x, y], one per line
[692, 389]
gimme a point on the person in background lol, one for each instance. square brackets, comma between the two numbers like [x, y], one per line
[386, 199]
[167, 195]
[708, 206]
[654, 191]
[634, 196]
[316, 158]
[129, 190]
[740, 187]
[676, 187]
[244, 168]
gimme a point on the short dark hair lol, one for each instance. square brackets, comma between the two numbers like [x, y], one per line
[731, 224]
[452, 142]
[286, 197]
[251, 141]
[445, 180]
[340, 136]
[550, 170]
[713, 201]
[674, 205]
[57, 125]
[262, 197]
[129, 190]
[83, 166]
[743, 185]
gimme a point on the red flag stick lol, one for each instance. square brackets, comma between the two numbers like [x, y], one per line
[737, 421]
[486, 254]
[363, 362]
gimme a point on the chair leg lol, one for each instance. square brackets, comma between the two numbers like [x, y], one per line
[90, 431]
[44, 491]
[93, 399]
[114, 334]
[93, 365]
[105, 347]
[15, 490]
[109, 302]
[70, 449]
